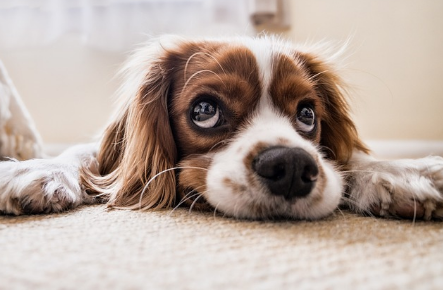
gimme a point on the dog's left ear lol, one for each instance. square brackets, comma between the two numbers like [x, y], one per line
[338, 132]
[138, 151]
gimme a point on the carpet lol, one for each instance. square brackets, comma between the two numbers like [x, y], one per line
[94, 248]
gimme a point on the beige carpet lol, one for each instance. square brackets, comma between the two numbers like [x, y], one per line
[92, 248]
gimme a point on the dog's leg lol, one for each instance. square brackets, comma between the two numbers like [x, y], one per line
[46, 185]
[406, 188]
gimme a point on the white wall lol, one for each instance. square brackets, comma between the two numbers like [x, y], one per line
[395, 65]
[395, 62]
[66, 86]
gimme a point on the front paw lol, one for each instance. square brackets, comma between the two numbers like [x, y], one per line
[403, 188]
[39, 186]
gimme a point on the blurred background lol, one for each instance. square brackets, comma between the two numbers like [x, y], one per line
[63, 55]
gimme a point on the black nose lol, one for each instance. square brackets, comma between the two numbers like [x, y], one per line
[289, 172]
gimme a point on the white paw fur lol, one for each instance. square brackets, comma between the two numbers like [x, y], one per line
[401, 188]
[44, 185]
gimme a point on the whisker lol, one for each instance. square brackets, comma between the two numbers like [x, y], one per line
[187, 63]
[341, 212]
[314, 77]
[236, 210]
[195, 200]
[145, 187]
[218, 143]
[199, 53]
[215, 210]
[197, 73]
[221, 67]
[323, 148]
[188, 196]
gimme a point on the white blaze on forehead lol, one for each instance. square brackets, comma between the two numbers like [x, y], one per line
[266, 51]
[264, 55]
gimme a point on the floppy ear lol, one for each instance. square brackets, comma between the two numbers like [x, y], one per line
[338, 133]
[138, 148]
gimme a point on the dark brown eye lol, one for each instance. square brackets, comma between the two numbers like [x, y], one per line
[206, 114]
[306, 119]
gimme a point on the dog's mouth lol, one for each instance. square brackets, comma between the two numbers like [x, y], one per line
[278, 182]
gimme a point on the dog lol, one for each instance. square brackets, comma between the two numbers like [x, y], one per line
[253, 128]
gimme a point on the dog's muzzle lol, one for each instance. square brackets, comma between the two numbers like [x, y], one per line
[287, 172]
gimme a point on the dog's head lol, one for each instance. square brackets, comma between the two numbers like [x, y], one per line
[251, 127]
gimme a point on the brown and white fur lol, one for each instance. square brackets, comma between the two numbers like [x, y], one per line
[250, 127]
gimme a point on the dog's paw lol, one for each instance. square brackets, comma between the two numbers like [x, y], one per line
[401, 188]
[39, 186]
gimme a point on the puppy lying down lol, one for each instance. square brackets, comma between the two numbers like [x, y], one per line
[253, 128]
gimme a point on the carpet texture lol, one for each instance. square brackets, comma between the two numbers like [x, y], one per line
[93, 248]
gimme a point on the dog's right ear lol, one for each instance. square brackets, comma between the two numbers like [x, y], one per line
[339, 136]
[138, 150]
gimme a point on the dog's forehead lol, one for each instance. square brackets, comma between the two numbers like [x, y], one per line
[264, 54]
[274, 67]
[283, 75]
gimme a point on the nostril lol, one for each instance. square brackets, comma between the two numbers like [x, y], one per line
[309, 173]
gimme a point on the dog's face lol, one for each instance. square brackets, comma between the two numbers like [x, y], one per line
[252, 126]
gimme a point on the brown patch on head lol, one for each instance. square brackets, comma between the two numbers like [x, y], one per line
[304, 79]
[291, 87]
[338, 133]
[222, 73]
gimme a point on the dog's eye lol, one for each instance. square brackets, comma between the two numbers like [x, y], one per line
[206, 114]
[306, 119]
